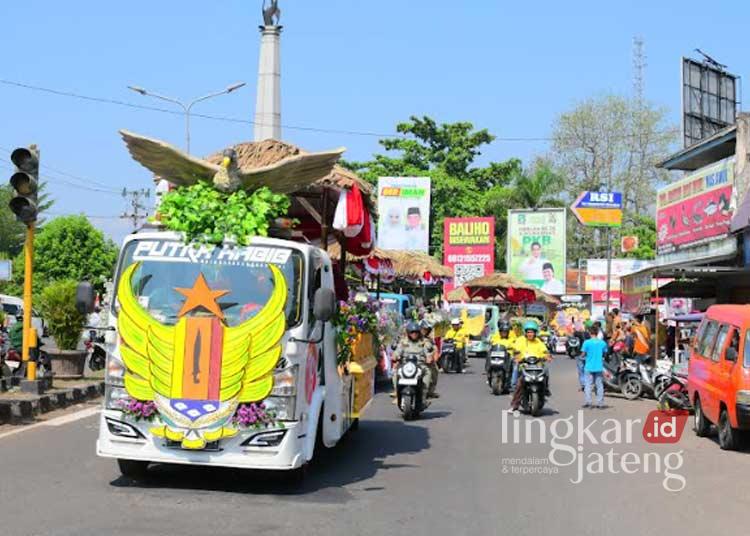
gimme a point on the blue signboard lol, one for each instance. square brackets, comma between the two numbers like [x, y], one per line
[599, 209]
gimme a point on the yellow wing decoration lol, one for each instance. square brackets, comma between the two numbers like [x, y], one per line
[252, 349]
[147, 347]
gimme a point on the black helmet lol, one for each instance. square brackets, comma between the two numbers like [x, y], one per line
[425, 324]
[412, 327]
[503, 325]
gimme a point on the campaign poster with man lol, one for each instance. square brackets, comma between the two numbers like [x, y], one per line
[404, 210]
[536, 248]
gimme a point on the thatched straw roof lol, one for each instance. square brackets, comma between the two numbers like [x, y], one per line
[405, 263]
[267, 152]
[498, 282]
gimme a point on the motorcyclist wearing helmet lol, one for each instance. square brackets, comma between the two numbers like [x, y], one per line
[530, 345]
[413, 343]
[458, 333]
[502, 337]
[430, 345]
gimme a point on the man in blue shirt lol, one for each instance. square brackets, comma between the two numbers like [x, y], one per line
[593, 350]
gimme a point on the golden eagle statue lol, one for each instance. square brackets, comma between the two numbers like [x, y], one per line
[285, 176]
[199, 370]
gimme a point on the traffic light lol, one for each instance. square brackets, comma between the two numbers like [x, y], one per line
[25, 181]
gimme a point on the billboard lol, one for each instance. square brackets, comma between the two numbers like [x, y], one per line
[620, 267]
[572, 310]
[404, 213]
[468, 248]
[709, 99]
[537, 247]
[697, 209]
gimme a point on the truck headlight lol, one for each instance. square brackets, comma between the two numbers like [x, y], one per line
[115, 372]
[283, 398]
[743, 397]
[115, 397]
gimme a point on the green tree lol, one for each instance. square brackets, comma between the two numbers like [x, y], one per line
[611, 141]
[644, 227]
[447, 154]
[68, 247]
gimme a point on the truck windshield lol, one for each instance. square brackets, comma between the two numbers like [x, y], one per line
[242, 273]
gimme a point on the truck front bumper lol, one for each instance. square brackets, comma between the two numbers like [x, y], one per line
[288, 454]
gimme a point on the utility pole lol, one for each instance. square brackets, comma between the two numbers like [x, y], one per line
[137, 209]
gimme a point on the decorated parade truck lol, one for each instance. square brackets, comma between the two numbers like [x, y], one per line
[225, 352]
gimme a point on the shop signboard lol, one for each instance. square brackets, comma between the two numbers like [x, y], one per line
[468, 248]
[536, 248]
[404, 209]
[697, 209]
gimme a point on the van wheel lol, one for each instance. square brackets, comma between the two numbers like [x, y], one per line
[729, 438]
[134, 469]
[700, 424]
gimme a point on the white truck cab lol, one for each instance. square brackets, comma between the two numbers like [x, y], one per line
[196, 332]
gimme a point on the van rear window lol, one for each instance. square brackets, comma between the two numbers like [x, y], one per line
[746, 360]
[706, 342]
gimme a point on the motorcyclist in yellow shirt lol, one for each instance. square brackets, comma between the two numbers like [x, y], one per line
[502, 337]
[530, 345]
[459, 334]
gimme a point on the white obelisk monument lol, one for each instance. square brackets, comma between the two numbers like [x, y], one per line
[268, 103]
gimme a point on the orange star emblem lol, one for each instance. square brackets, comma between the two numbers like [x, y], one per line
[201, 296]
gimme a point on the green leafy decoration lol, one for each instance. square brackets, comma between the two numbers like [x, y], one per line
[207, 216]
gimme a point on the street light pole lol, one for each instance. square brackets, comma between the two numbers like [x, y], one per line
[187, 107]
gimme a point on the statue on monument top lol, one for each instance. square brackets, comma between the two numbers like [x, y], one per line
[271, 12]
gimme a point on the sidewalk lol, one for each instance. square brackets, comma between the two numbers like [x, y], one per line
[18, 408]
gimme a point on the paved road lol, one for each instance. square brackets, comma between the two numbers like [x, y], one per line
[448, 473]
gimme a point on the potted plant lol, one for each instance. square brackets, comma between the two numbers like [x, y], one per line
[58, 306]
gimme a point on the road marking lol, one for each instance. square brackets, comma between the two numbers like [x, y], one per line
[57, 421]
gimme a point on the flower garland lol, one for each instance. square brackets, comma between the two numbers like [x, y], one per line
[254, 415]
[139, 409]
[356, 315]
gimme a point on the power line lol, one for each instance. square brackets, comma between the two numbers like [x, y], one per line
[50, 180]
[117, 102]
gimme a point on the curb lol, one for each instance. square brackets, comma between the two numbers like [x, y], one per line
[20, 411]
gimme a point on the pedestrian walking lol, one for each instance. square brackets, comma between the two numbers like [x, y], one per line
[593, 350]
[641, 340]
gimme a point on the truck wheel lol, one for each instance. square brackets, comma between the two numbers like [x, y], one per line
[700, 424]
[729, 438]
[133, 468]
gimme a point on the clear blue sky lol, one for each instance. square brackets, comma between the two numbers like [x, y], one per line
[509, 66]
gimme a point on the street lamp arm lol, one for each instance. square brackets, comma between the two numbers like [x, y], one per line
[214, 94]
[157, 96]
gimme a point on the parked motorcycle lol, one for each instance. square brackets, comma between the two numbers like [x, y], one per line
[410, 388]
[675, 394]
[622, 374]
[95, 348]
[655, 379]
[534, 386]
[451, 358]
[573, 346]
[499, 370]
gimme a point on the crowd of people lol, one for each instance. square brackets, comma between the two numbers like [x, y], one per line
[617, 335]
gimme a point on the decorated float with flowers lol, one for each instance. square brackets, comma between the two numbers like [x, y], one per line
[233, 339]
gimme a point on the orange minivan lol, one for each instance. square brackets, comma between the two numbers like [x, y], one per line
[719, 374]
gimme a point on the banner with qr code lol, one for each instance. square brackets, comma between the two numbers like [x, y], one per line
[468, 248]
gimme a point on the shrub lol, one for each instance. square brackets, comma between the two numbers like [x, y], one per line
[58, 306]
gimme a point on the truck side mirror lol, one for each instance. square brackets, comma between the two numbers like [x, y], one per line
[324, 304]
[85, 298]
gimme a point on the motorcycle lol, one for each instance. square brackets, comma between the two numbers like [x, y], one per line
[451, 359]
[655, 379]
[410, 388]
[573, 346]
[95, 348]
[534, 388]
[675, 394]
[499, 370]
[622, 374]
